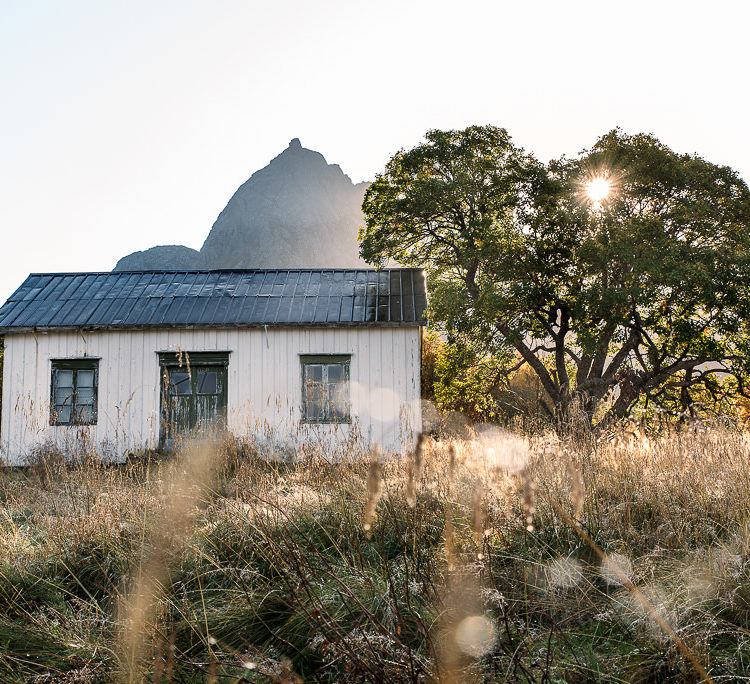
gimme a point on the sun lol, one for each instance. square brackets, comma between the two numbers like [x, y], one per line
[598, 189]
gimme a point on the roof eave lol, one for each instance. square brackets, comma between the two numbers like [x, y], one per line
[224, 326]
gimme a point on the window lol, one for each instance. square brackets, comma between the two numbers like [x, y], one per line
[325, 389]
[193, 393]
[74, 390]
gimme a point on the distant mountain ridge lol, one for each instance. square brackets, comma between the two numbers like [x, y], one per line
[296, 212]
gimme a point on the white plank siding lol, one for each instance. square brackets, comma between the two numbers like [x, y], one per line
[264, 386]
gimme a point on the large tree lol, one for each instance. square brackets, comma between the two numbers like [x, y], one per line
[623, 272]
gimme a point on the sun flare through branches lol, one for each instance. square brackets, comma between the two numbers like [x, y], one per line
[598, 189]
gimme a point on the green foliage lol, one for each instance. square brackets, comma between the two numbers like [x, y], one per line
[460, 377]
[449, 201]
[431, 348]
[23, 592]
[613, 299]
[465, 382]
[32, 653]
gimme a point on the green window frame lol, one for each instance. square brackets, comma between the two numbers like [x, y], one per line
[74, 390]
[326, 388]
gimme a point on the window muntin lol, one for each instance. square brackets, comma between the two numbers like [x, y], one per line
[73, 393]
[325, 389]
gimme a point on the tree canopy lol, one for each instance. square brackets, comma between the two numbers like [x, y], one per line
[642, 291]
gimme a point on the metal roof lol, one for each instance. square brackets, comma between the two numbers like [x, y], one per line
[220, 298]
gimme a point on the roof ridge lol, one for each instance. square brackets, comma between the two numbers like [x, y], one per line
[226, 270]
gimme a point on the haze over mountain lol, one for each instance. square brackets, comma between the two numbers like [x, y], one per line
[297, 212]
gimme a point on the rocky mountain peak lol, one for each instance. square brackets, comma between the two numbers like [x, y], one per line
[299, 211]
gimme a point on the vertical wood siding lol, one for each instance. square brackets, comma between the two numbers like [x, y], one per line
[264, 387]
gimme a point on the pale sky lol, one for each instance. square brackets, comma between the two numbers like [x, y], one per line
[129, 123]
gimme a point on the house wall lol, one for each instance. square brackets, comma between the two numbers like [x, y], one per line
[264, 386]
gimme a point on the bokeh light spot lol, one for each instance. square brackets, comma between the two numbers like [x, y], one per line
[476, 635]
[616, 569]
[564, 573]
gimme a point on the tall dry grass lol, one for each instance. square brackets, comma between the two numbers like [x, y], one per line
[621, 557]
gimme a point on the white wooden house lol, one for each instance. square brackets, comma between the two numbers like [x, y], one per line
[126, 361]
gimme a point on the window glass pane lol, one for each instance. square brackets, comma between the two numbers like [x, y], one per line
[335, 372]
[63, 395]
[339, 401]
[64, 378]
[327, 399]
[314, 402]
[62, 413]
[207, 382]
[180, 382]
[314, 372]
[85, 378]
[85, 395]
[313, 392]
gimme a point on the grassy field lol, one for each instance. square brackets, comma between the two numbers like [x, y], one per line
[620, 558]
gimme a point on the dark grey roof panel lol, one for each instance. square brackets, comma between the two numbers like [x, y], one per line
[144, 299]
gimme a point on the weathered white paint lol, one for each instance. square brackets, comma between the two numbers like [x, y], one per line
[264, 386]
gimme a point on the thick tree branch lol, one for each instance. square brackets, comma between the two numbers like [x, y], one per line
[597, 364]
[539, 368]
[562, 372]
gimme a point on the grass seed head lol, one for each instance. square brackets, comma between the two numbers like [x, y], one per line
[478, 510]
[577, 488]
[414, 470]
[528, 500]
[374, 491]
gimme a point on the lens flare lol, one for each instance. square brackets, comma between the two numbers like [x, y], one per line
[616, 569]
[476, 635]
[500, 450]
[598, 189]
[564, 573]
